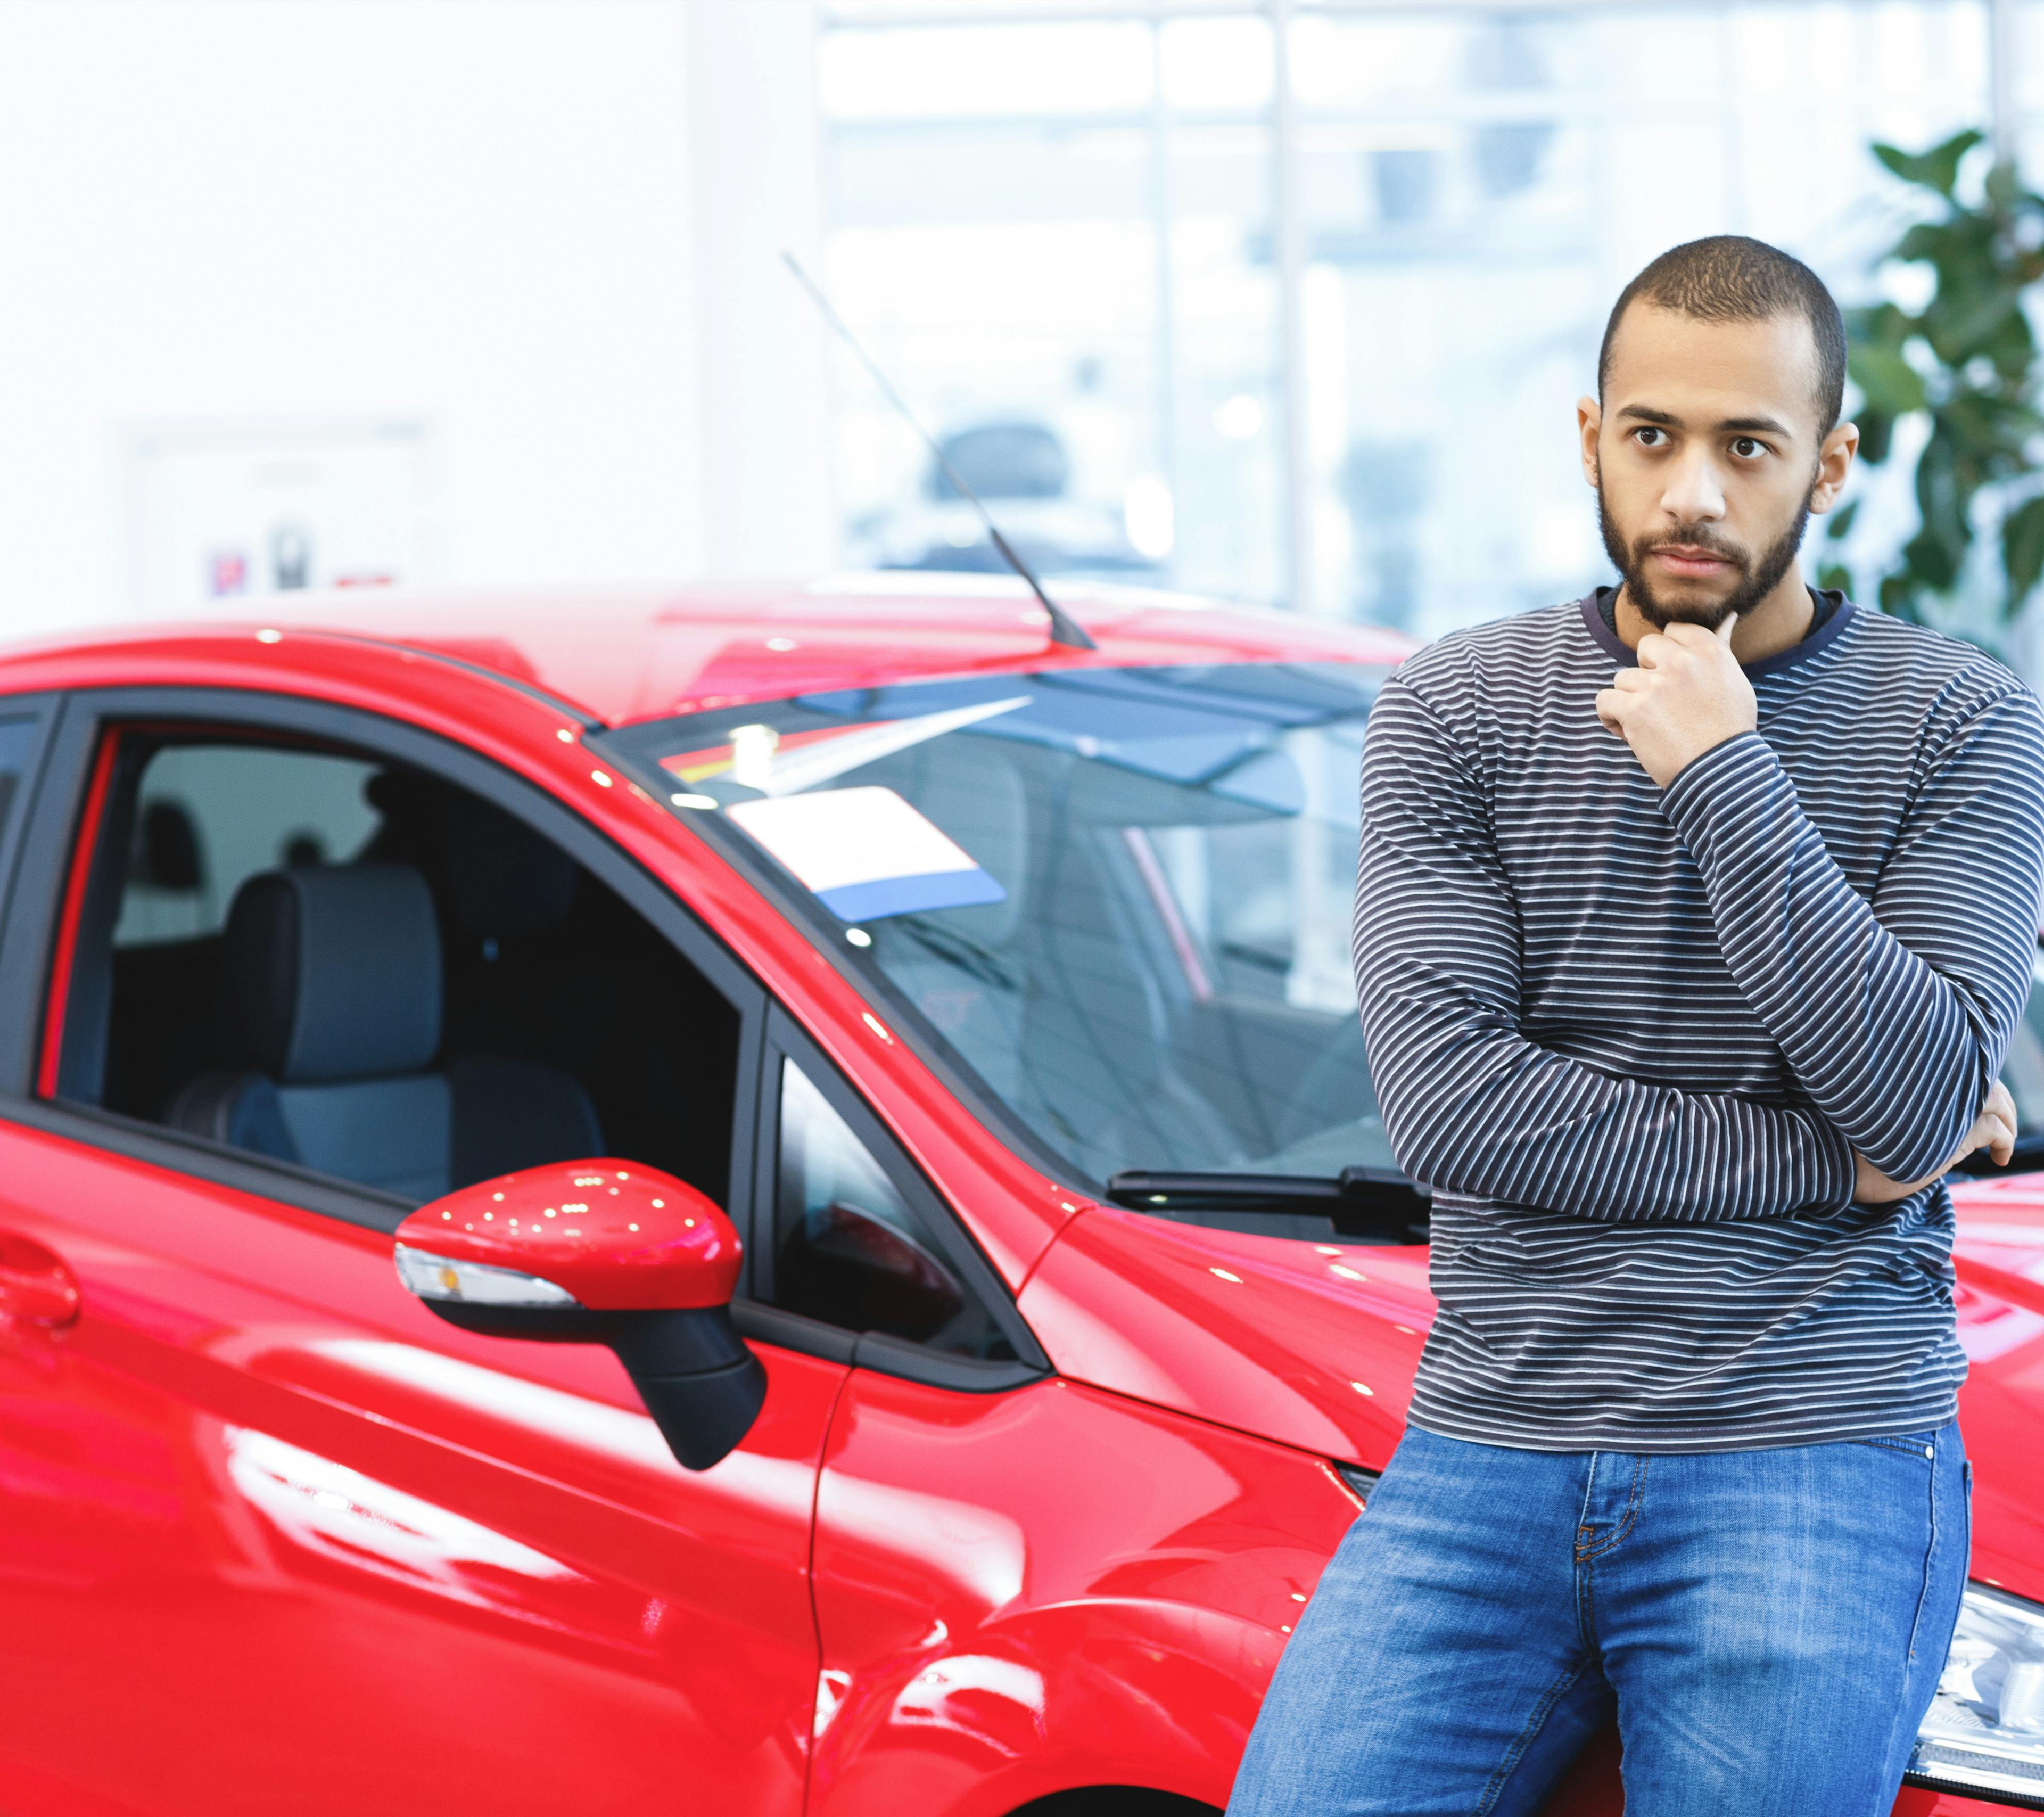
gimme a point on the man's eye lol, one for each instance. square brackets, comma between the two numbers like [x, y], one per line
[1747, 448]
[1649, 437]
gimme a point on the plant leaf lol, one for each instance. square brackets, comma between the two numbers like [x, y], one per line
[1877, 436]
[1938, 168]
[1841, 523]
[2023, 550]
[1891, 385]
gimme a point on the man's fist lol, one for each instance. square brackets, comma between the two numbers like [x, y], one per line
[1994, 1130]
[1687, 694]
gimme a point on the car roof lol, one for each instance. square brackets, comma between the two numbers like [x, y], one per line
[623, 655]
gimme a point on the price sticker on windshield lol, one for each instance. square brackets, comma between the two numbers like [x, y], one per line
[866, 853]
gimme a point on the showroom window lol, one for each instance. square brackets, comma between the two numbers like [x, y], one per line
[1292, 302]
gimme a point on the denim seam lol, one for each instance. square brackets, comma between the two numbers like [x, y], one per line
[1910, 1447]
[1930, 1564]
[1625, 1520]
[1494, 1788]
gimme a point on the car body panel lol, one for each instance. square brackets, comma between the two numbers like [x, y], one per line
[625, 655]
[1053, 1587]
[285, 1537]
[1311, 1344]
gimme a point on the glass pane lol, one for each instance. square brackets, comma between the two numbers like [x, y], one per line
[208, 818]
[1075, 293]
[953, 71]
[1476, 191]
[823, 1164]
[848, 1249]
[18, 745]
[1120, 896]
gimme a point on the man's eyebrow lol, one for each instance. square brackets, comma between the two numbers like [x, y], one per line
[1731, 425]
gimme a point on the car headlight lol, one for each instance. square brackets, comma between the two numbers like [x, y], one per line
[1985, 1732]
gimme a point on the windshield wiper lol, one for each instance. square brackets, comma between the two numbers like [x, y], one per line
[1360, 1201]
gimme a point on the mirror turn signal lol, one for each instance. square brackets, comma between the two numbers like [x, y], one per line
[603, 1252]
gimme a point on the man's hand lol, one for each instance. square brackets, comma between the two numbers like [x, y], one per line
[1687, 694]
[1994, 1130]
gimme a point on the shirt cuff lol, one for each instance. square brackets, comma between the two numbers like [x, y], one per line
[1725, 771]
[1839, 1174]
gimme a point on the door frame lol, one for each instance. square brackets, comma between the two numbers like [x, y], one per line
[40, 911]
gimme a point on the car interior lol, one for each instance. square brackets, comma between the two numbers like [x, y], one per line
[366, 971]
[360, 969]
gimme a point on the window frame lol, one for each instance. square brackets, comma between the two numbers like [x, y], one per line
[786, 1040]
[66, 855]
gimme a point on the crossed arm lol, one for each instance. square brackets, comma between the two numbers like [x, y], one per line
[1894, 1016]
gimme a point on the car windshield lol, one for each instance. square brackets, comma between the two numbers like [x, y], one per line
[1118, 898]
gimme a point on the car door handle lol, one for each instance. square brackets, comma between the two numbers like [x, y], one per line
[35, 1287]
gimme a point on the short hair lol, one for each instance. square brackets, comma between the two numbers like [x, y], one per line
[1729, 277]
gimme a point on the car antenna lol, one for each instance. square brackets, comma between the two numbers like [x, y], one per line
[1064, 628]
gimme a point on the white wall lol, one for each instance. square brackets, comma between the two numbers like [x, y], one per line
[478, 212]
[756, 147]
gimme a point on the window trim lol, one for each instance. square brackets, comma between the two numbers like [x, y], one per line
[785, 1039]
[42, 921]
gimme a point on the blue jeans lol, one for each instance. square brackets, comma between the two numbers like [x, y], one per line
[1768, 1627]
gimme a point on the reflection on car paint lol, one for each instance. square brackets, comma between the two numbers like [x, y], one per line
[328, 1508]
[999, 1702]
[966, 1546]
[630, 1437]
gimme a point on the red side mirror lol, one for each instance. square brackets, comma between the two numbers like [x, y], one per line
[602, 1252]
[613, 1237]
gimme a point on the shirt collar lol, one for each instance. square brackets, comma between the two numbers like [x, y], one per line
[1833, 612]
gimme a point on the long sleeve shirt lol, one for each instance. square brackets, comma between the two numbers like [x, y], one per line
[1632, 1039]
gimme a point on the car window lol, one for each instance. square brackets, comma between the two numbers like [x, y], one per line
[209, 817]
[18, 745]
[848, 1247]
[348, 965]
[1120, 897]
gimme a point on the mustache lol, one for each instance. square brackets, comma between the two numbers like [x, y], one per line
[1692, 536]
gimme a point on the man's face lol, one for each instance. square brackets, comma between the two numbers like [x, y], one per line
[1706, 457]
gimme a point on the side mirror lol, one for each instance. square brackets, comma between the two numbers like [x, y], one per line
[600, 1252]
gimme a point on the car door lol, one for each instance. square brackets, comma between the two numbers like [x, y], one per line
[273, 1536]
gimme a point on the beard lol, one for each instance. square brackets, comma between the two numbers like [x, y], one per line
[1757, 579]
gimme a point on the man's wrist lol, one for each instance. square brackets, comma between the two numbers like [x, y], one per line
[1730, 754]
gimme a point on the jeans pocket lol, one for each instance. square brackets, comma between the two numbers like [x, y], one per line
[1923, 1445]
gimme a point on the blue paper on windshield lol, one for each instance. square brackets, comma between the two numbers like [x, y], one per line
[866, 854]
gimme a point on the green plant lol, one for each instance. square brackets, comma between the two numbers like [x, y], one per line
[1967, 361]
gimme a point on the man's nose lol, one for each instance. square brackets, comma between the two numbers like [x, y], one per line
[1694, 491]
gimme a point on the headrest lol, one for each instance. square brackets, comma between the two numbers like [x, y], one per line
[334, 972]
[502, 877]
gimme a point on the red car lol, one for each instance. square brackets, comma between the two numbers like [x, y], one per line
[970, 1013]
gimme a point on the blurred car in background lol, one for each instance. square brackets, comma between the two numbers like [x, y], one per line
[1023, 467]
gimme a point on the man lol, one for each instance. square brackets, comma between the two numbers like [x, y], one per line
[1692, 922]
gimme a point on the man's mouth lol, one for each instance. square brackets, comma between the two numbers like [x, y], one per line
[1687, 561]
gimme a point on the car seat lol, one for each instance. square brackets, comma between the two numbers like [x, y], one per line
[331, 978]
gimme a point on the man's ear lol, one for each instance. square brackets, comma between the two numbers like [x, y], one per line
[1835, 461]
[1590, 421]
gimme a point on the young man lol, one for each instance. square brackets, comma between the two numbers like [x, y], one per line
[1692, 922]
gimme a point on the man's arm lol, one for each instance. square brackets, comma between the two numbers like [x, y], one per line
[1470, 1104]
[1895, 1014]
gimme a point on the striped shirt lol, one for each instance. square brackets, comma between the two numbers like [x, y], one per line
[1632, 1039]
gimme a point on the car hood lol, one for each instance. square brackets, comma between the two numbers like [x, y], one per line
[1315, 1344]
